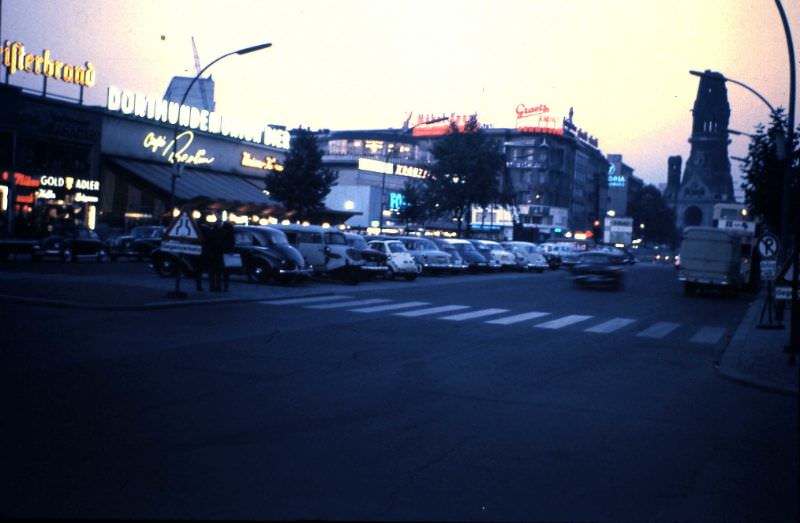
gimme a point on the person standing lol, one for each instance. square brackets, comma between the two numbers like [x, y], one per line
[216, 263]
[228, 245]
[203, 261]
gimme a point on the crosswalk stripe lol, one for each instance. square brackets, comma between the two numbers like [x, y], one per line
[611, 325]
[431, 310]
[341, 305]
[508, 320]
[292, 301]
[658, 330]
[708, 335]
[563, 321]
[392, 306]
[474, 314]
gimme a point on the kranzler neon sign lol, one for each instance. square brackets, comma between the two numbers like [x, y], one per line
[16, 59]
[176, 150]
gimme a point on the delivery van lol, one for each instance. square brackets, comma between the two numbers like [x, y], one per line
[715, 258]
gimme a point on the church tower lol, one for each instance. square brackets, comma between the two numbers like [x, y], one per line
[707, 177]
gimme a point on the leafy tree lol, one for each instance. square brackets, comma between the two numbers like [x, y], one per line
[417, 205]
[763, 185]
[467, 169]
[303, 184]
[647, 207]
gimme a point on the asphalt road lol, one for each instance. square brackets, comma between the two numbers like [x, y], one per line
[511, 397]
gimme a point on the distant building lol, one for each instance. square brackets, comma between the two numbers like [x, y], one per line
[202, 95]
[622, 184]
[707, 177]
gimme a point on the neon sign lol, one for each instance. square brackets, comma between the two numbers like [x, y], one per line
[439, 128]
[269, 163]
[160, 144]
[16, 59]
[377, 166]
[536, 120]
[396, 201]
[157, 109]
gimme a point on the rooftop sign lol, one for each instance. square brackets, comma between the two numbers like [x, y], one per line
[536, 119]
[157, 109]
[15, 59]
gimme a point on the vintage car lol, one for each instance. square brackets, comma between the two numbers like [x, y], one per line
[620, 255]
[70, 244]
[499, 258]
[374, 260]
[264, 254]
[567, 252]
[474, 259]
[398, 259]
[138, 244]
[598, 268]
[428, 256]
[326, 251]
[459, 264]
[529, 255]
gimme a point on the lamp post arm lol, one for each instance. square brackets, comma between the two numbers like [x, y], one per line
[203, 70]
[771, 109]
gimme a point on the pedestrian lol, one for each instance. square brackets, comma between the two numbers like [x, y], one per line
[228, 245]
[203, 261]
[216, 262]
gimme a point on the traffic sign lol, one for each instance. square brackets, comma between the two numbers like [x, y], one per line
[783, 293]
[183, 228]
[769, 269]
[768, 245]
[178, 247]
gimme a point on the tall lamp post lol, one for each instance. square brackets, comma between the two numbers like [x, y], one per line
[176, 173]
[390, 154]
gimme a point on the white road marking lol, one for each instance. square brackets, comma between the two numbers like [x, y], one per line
[392, 306]
[708, 335]
[508, 320]
[432, 310]
[611, 325]
[474, 314]
[342, 305]
[658, 330]
[562, 322]
[292, 301]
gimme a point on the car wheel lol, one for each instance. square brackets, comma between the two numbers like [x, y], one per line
[101, 255]
[164, 266]
[68, 255]
[259, 272]
[410, 277]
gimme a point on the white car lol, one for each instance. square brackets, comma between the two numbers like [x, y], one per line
[529, 255]
[399, 260]
[497, 255]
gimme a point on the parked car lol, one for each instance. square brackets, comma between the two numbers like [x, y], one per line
[458, 263]
[374, 260]
[499, 258]
[264, 251]
[399, 261]
[567, 252]
[474, 259]
[428, 256]
[70, 244]
[529, 255]
[10, 245]
[598, 268]
[138, 244]
[326, 251]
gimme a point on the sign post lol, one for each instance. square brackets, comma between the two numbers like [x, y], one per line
[768, 246]
[181, 238]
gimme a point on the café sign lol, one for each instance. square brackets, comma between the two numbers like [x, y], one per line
[157, 109]
[16, 59]
[176, 150]
[269, 163]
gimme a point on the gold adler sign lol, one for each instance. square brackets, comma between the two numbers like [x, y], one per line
[16, 59]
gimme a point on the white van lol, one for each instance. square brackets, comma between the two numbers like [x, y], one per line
[325, 250]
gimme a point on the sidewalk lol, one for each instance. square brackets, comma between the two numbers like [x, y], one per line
[757, 357]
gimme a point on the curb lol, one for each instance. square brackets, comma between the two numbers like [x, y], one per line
[732, 373]
[66, 304]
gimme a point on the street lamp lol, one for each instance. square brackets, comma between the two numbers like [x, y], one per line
[390, 154]
[177, 164]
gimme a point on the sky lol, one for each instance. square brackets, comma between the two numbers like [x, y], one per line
[622, 65]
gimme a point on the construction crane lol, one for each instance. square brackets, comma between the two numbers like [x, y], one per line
[203, 86]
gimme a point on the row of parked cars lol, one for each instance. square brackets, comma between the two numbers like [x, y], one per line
[286, 253]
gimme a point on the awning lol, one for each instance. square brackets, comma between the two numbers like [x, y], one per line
[195, 184]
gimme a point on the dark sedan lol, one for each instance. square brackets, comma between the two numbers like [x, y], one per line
[265, 255]
[598, 268]
[70, 244]
[138, 244]
[374, 261]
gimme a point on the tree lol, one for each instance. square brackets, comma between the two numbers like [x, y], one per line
[303, 184]
[467, 169]
[763, 168]
[647, 207]
[417, 206]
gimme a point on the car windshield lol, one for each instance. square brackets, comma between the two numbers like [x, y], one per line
[272, 236]
[357, 241]
[396, 247]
